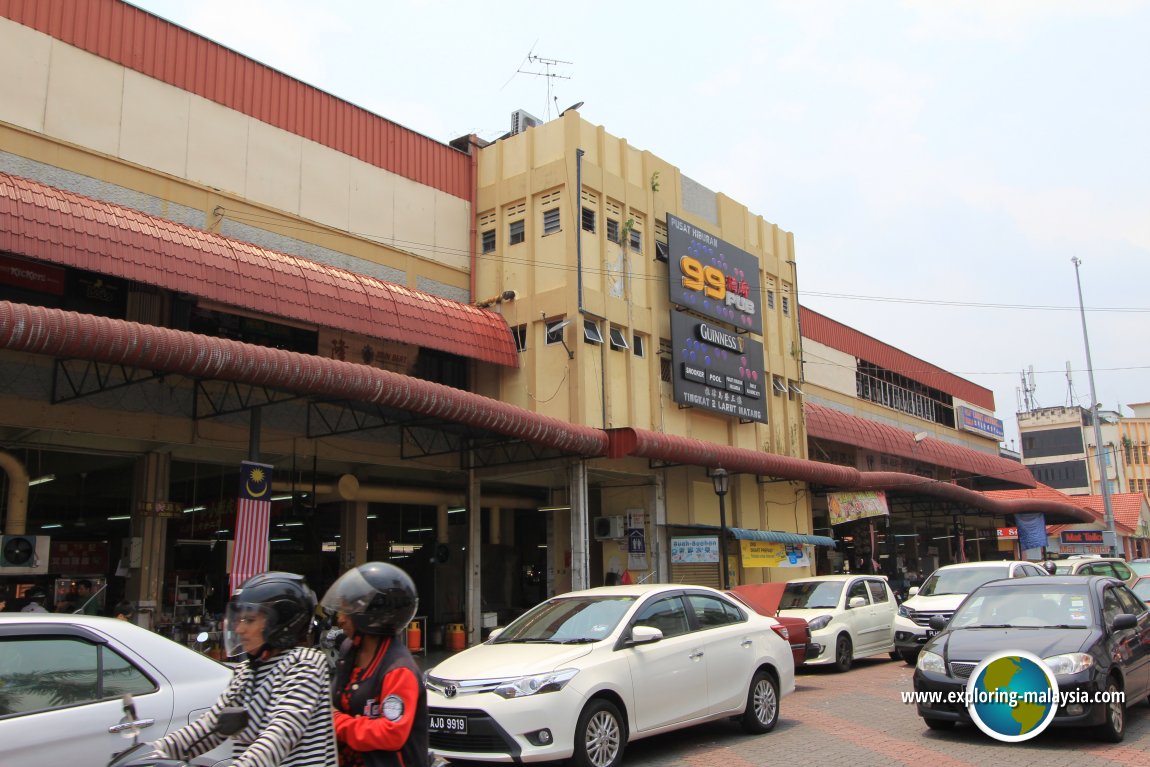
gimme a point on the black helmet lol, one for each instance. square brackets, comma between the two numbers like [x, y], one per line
[378, 597]
[36, 595]
[285, 602]
[1050, 567]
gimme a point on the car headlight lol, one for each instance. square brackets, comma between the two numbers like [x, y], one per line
[905, 611]
[819, 622]
[932, 662]
[1070, 663]
[536, 683]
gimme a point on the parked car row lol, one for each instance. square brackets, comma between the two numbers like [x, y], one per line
[583, 674]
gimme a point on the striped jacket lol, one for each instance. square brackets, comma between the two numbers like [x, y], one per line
[289, 710]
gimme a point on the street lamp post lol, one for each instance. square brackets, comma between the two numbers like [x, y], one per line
[722, 482]
[1099, 459]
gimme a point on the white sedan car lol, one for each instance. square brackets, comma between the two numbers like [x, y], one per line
[63, 678]
[582, 674]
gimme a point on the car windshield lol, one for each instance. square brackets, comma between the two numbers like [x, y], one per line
[960, 580]
[568, 620]
[1062, 570]
[807, 595]
[1026, 606]
[1142, 589]
[1140, 567]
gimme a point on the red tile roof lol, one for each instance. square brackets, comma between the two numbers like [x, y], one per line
[836, 426]
[1126, 522]
[1127, 507]
[54, 225]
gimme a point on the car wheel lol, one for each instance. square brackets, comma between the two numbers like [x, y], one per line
[843, 650]
[909, 657]
[762, 712]
[939, 724]
[894, 655]
[1113, 730]
[599, 736]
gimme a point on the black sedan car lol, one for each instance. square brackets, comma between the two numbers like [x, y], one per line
[1092, 633]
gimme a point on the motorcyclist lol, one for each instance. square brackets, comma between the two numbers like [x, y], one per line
[378, 696]
[1050, 567]
[283, 686]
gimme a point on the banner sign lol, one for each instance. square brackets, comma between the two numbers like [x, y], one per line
[769, 554]
[695, 549]
[848, 507]
[1007, 532]
[972, 420]
[253, 516]
[716, 369]
[1031, 530]
[713, 277]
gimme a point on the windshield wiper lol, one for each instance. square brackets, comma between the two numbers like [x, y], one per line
[577, 640]
[995, 626]
[526, 640]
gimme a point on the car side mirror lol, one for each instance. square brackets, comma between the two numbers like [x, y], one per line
[938, 622]
[912, 591]
[645, 635]
[494, 633]
[856, 602]
[1123, 621]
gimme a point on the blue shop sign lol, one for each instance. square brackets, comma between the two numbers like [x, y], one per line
[972, 420]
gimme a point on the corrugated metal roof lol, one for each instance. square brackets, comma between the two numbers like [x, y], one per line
[136, 39]
[54, 225]
[837, 426]
[836, 335]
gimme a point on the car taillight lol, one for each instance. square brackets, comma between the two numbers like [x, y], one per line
[782, 631]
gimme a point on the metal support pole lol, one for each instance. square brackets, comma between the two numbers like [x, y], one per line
[1103, 476]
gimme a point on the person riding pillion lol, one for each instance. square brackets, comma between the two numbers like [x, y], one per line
[283, 686]
[379, 702]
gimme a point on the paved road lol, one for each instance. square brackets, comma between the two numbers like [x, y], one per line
[857, 719]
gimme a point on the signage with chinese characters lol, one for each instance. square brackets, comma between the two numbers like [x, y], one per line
[78, 557]
[386, 355]
[981, 423]
[161, 509]
[716, 369]
[695, 549]
[713, 277]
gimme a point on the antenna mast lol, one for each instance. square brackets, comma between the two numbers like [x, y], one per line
[548, 74]
[1071, 397]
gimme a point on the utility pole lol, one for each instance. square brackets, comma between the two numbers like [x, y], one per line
[1105, 479]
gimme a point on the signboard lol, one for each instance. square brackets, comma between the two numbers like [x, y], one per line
[160, 509]
[712, 277]
[1081, 536]
[716, 369]
[848, 507]
[30, 275]
[386, 355]
[695, 549]
[768, 554]
[972, 420]
[1007, 532]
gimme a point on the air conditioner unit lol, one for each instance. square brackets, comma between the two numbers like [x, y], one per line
[521, 121]
[609, 528]
[24, 554]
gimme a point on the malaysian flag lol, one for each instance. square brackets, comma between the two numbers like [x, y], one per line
[253, 510]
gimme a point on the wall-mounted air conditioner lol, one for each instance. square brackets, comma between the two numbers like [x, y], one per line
[24, 554]
[609, 528]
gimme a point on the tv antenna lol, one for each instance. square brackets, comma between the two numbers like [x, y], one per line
[547, 65]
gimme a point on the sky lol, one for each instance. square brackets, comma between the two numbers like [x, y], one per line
[939, 163]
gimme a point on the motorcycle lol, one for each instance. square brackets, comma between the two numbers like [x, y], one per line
[231, 721]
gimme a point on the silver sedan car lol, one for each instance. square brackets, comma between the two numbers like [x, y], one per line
[63, 679]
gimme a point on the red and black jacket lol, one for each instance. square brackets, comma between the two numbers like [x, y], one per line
[381, 710]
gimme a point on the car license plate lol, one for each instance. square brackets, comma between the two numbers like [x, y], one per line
[456, 725]
[930, 633]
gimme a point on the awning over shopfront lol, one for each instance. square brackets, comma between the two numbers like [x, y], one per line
[685, 450]
[70, 335]
[836, 426]
[50, 224]
[772, 536]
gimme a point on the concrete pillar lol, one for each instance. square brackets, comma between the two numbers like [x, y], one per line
[474, 560]
[580, 526]
[441, 522]
[495, 526]
[149, 534]
[353, 535]
[655, 545]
